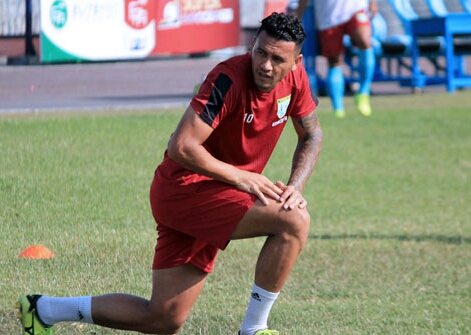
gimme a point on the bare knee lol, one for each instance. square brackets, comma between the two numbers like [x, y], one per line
[174, 291]
[164, 325]
[297, 225]
[162, 319]
[172, 326]
[304, 224]
[362, 39]
[335, 61]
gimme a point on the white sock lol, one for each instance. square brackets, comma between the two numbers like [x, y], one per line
[52, 310]
[256, 317]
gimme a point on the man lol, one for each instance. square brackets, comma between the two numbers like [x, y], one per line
[209, 190]
[334, 19]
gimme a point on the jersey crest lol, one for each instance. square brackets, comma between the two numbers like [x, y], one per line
[283, 105]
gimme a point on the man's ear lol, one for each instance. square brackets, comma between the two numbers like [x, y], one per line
[297, 61]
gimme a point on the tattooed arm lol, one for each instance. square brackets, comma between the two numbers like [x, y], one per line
[307, 150]
[304, 159]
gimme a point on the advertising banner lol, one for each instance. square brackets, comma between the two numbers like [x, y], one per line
[193, 26]
[98, 30]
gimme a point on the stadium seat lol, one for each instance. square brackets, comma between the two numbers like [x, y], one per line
[406, 13]
[392, 51]
[462, 44]
[437, 7]
[466, 5]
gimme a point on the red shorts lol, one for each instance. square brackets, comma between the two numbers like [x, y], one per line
[331, 39]
[194, 219]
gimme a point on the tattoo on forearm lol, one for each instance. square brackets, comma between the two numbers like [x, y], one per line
[307, 150]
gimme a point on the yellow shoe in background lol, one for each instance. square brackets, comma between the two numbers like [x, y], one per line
[340, 114]
[363, 104]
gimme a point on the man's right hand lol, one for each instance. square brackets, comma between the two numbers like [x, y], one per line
[259, 185]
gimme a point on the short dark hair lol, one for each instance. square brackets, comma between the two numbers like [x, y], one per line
[286, 27]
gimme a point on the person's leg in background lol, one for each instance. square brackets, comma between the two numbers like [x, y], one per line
[335, 83]
[359, 29]
[331, 41]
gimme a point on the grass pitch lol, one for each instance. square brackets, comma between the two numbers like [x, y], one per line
[390, 237]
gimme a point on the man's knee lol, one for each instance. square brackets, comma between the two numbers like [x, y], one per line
[297, 224]
[362, 40]
[304, 223]
[163, 325]
[162, 320]
[335, 61]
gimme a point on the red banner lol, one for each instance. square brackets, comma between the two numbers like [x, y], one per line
[195, 26]
[138, 13]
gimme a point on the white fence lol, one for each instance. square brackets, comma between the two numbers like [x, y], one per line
[13, 17]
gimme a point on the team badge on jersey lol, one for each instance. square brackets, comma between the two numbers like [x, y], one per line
[283, 105]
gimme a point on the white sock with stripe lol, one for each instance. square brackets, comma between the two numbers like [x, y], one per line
[256, 317]
[52, 310]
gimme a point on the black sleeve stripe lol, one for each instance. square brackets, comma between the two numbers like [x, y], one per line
[216, 98]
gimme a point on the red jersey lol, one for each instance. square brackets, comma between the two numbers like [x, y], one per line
[196, 215]
[247, 123]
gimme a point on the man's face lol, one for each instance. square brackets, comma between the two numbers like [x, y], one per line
[271, 60]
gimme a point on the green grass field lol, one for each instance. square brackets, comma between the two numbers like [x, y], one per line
[390, 240]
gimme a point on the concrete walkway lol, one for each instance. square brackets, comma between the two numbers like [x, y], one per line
[158, 83]
[166, 82]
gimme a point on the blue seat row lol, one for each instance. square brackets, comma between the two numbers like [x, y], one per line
[393, 51]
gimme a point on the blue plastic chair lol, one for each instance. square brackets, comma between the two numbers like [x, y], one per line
[466, 5]
[462, 44]
[406, 13]
[391, 48]
[437, 7]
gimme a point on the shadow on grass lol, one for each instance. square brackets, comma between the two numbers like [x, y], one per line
[411, 238]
